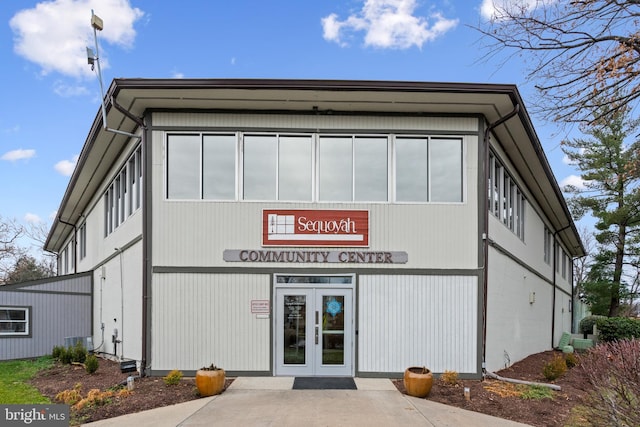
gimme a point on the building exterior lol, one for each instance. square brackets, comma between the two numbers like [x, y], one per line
[310, 227]
[31, 323]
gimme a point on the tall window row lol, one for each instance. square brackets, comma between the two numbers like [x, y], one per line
[123, 196]
[506, 201]
[313, 167]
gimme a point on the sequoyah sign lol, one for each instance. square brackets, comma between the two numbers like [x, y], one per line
[309, 228]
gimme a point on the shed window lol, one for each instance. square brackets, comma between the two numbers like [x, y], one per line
[14, 321]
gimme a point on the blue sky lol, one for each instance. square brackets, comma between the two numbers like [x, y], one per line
[50, 95]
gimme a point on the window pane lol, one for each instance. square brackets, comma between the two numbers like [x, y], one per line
[446, 170]
[336, 169]
[219, 167]
[260, 158]
[411, 170]
[295, 316]
[371, 169]
[183, 167]
[294, 168]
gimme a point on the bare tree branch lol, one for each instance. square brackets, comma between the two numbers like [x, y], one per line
[579, 53]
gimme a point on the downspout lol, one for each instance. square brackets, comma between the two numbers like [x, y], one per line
[75, 249]
[485, 233]
[553, 280]
[145, 163]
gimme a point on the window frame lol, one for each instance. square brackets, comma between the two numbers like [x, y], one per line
[122, 197]
[28, 321]
[506, 199]
[316, 137]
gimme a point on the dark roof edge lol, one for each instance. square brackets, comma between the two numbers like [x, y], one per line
[542, 157]
[282, 84]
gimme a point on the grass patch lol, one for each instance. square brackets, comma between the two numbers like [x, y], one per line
[536, 392]
[14, 378]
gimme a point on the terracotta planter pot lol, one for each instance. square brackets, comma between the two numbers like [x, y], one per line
[210, 383]
[418, 381]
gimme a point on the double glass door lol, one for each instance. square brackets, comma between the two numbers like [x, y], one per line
[314, 326]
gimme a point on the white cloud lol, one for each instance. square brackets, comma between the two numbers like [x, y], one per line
[574, 181]
[19, 154]
[32, 218]
[66, 91]
[388, 24]
[55, 34]
[66, 167]
[494, 9]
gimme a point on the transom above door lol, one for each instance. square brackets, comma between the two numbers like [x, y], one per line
[314, 324]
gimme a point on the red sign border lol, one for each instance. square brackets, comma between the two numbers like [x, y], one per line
[315, 243]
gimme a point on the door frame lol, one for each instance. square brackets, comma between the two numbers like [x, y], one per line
[315, 283]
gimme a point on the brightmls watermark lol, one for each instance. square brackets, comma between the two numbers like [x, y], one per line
[34, 415]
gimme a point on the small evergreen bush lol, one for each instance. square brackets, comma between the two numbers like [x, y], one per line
[173, 377]
[91, 364]
[66, 355]
[57, 352]
[571, 360]
[555, 368]
[78, 353]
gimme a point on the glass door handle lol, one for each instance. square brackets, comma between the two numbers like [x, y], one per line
[316, 335]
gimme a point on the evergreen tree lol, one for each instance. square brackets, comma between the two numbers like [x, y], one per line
[609, 169]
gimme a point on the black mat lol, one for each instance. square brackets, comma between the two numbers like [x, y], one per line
[324, 383]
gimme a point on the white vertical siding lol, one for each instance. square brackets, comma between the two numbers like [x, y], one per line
[417, 321]
[199, 319]
[516, 327]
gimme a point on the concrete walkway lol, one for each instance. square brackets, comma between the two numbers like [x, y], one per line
[270, 401]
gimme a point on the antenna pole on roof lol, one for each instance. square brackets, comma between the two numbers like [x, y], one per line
[93, 58]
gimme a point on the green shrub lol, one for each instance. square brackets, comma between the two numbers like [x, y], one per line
[571, 360]
[91, 364]
[618, 328]
[57, 352]
[66, 355]
[78, 353]
[555, 368]
[586, 324]
[173, 377]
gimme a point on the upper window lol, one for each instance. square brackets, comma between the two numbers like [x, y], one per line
[428, 169]
[506, 201]
[14, 321]
[123, 195]
[277, 167]
[314, 167]
[353, 168]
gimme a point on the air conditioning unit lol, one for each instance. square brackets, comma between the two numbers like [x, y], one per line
[87, 342]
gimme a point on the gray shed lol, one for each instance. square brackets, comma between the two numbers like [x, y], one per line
[37, 315]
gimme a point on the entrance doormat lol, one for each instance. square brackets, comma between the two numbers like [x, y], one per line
[324, 383]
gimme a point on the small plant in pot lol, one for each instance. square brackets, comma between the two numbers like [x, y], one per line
[418, 381]
[210, 380]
